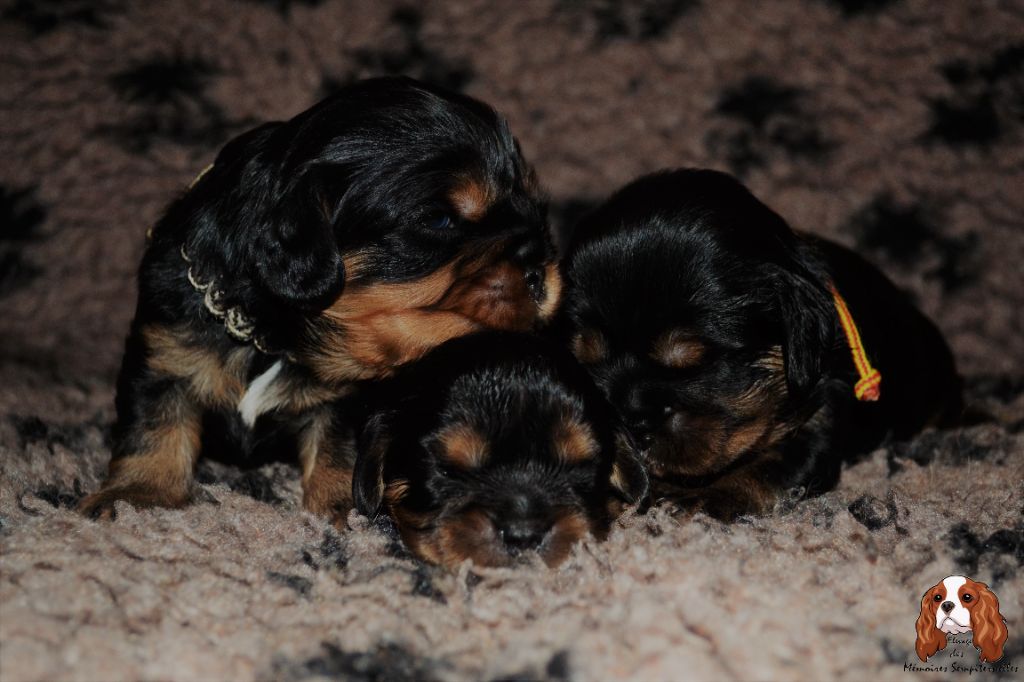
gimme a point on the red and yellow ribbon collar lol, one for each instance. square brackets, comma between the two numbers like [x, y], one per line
[869, 387]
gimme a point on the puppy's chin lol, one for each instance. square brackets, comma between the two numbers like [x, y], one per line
[471, 535]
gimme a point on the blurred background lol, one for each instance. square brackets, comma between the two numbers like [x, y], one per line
[893, 126]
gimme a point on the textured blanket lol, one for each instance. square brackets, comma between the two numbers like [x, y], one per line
[893, 126]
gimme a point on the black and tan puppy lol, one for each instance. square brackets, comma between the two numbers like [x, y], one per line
[313, 253]
[494, 445]
[713, 327]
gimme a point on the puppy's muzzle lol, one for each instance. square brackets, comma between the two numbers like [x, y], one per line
[532, 257]
[522, 524]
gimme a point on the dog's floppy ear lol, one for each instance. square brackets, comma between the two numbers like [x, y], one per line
[628, 475]
[808, 319]
[368, 477]
[988, 625]
[929, 638]
[295, 251]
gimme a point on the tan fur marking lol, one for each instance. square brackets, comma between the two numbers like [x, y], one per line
[747, 490]
[395, 492]
[326, 487]
[167, 464]
[572, 527]
[213, 380]
[472, 199]
[768, 393]
[161, 475]
[370, 330]
[328, 491]
[310, 442]
[746, 437]
[574, 440]
[618, 478]
[772, 361]
[463, 445]
[470, 535]
[354, 264]
[300, 396]
[589, 346]
[678, 350]
[552, 291]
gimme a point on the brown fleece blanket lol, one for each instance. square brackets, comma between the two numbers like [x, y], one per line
[893, 126]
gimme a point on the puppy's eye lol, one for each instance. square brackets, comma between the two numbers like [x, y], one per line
[967, 597]
[439, 221]
[938, 597]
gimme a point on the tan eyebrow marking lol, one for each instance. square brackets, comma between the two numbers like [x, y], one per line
[574, 441]
[471, 198]
[678, 349]
[463, 445]
[589, 346]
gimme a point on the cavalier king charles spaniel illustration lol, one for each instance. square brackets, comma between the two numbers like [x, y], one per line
[958, 605]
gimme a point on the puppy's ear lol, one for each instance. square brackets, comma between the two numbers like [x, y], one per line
[295, 252]
[628, 475]
[368, 477]
[808, 318]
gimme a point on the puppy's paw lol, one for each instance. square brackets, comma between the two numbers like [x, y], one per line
[327, 492]
[101, 505]
[720, 504]
[335, 513]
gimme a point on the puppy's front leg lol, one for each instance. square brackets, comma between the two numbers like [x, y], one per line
[326, 452]
[750, 489]
[154, 454]
[164, 382]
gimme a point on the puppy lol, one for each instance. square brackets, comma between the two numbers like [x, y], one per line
[316, 252]
[491, 446]
[955, 606]
[745, 358]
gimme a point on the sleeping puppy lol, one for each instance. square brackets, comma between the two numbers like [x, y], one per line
[316, 252]
[493, 446]
[717, 332]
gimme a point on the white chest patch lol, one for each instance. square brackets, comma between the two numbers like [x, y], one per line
[262, 395]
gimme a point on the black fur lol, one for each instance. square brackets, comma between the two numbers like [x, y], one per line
[514, 391]
[693, 250]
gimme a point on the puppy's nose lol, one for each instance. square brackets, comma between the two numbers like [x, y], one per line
[530, 255]
[523, 535]
[645, 414]
[643, 432]
[534, 278]
[947, 606]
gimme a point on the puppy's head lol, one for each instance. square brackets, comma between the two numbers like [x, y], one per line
[386, 219]
[492, 447]
[701, 316]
